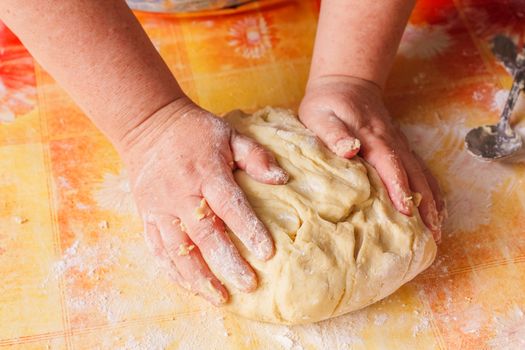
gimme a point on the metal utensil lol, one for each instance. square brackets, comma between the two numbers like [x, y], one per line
[491, 142]
[506, 52]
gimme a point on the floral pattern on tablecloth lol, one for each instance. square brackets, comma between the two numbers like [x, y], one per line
[17, 77]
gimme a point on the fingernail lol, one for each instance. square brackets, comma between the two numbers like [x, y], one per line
[443, 213]
[440, 219]
[275, 175]
[437, 236]
[416, 198]
[434, 221]
[347, 147]
[404, 202]
[265, 250]
[211, 292]
[408, 205]
[262, 244]
[230, 266]
[241, 277]
[245, 280]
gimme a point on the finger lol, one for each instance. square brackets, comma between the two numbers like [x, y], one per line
[418, 183]
[189, 262]
[208, 232]
[391, 171]
[435, 188]
[332, 131]
[228, 201]
[154, 244]
[436, 192]
[258, 162]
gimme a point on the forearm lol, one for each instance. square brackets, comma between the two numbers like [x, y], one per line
[359, 38]
[99, 53]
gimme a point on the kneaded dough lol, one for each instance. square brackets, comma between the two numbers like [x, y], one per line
[340, 244]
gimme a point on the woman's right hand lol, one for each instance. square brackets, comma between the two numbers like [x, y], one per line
[180, 162]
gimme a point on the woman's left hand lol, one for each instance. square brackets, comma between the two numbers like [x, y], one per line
[349, 116]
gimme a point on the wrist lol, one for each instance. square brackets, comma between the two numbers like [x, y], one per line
[342, 82]
[359, 38]
[144, 131]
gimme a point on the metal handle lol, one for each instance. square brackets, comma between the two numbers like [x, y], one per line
[505, 51]
[517, 85]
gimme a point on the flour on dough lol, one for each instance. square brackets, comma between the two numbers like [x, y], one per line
[340, 244]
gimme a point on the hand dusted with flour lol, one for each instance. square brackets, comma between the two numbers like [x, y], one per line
[185, 192]
[340, 243]
[180, 157]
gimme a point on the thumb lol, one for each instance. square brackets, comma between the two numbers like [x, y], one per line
[332, 131]
[259, 163]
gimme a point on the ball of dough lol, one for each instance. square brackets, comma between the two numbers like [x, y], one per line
[340, 244]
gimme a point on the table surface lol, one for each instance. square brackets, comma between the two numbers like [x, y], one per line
[75, 273]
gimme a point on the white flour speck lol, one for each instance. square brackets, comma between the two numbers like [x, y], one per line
[421, 326]
[380, 319]
[154, 339]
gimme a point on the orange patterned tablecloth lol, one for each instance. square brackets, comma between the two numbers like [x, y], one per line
[76, 274]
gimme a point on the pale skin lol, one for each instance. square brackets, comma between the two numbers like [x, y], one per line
[181, 157]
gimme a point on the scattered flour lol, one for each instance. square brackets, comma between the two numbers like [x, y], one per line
[101, 283]
[466, 194]
[154, 339]
[115, 294]
[500, 98]
[477, 96]
[285, 337]
[473, 317]
[100, 276]
[380, 319]
[86, 259]
[20, 220]
[114, 193]
[509, 330]
[421, 326]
